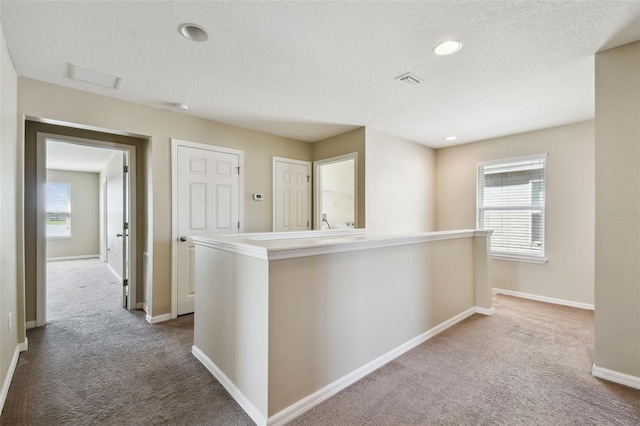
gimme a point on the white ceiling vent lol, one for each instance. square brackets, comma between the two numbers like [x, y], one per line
[94, 77]
[410, 79]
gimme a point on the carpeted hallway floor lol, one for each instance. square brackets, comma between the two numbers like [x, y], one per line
[96, 363]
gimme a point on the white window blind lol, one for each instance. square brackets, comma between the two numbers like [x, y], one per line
[510, 200]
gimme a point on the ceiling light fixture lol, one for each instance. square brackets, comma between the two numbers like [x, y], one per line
[447, 47]
[450, 138]
[193, 32]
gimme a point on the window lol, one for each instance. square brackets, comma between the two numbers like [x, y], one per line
[510, 200]
[58, 210]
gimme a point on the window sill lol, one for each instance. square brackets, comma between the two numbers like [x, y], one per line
[524, 259]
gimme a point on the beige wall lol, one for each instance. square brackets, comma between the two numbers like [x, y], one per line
[569, 221]
[85, 226]
[43, 100]
[8, 238]
[316, 319]
[346, 143]
[400, 185]
[617, 223]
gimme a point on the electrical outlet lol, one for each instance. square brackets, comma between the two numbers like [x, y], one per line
[10, 322]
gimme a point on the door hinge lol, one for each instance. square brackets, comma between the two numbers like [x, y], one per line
[307, 224]
[238, 168]
[125, 169]
[308, 178]
[125, 225]
[238, 225]
[125, 283]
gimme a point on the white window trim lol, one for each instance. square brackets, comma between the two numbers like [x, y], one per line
[513, 257]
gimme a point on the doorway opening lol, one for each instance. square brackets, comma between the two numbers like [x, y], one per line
[335, 192]
[86, 218]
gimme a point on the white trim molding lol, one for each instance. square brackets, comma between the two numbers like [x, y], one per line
[323, 244]
[24, 346]
[21, 347]
[84, 256]
[31, 324]
[616, 377]
[158, 318]
[485, 311]
[233, 390]
[331, 389]
[545, 299]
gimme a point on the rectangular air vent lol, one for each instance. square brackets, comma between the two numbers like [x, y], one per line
[410, 79]
[94, 77]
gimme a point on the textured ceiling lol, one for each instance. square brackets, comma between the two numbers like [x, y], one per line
[309, 70]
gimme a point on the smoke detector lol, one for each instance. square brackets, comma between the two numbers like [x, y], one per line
[410, 79]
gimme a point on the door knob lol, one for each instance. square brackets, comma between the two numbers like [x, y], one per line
[118, 235]
[183, 238]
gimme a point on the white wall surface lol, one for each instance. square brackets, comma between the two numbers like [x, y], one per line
[85, 227]
[400, 185]
[8, 238]
[569, 221]
[617, 275]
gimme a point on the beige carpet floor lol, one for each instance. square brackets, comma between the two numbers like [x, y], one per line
[96, 363]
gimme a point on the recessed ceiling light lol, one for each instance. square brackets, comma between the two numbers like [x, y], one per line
[193, 32]
[450, 138]
[447, 47]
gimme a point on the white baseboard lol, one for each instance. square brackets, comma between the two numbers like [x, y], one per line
[485, 311]
[115, 274]
[555, 301]
[236, 393]
[328, 391]
[145, 306]
[157, 319]
[7, 380]
[139, 305]
[616, 377]
[24, 346]
[331, 389]
[84, 256]
[31, 324]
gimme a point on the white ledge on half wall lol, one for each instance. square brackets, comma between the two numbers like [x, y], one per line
[284, 245]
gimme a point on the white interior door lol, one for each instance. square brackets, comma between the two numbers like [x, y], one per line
[117, 221]
[291, 189]
[208, 200]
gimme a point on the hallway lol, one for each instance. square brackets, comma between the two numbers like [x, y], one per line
[97, 363]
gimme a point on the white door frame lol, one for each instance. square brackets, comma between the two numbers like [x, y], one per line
[317, 179]
[175, 143]
[41, 212]
[275, 181]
